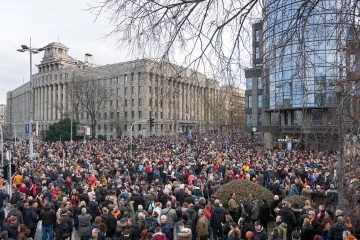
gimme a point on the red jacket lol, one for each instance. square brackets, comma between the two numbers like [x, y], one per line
[159, 236]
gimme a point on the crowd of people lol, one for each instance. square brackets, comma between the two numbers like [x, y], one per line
[95, 190]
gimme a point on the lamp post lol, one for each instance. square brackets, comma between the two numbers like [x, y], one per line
[31, 50]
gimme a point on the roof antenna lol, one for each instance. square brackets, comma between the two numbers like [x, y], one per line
[58, 38]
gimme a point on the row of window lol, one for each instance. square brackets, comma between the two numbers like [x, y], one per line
[112, 127]
[249, 83]
[125, 90]
[259, 101]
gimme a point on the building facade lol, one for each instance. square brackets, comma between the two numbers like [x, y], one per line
[290, 92]
[134, 91]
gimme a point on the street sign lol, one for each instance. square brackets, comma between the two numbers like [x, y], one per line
[289, 145]
[254, 129]
[27, 128]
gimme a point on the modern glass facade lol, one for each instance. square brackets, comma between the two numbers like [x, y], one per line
[301, 57]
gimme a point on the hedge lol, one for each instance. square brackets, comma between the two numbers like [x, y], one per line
[242, 189]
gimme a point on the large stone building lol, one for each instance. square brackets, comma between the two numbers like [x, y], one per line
[133, 91]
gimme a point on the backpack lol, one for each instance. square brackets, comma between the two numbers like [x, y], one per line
[151, 224]
[180, 176]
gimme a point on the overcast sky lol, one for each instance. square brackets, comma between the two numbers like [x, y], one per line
[45, 21]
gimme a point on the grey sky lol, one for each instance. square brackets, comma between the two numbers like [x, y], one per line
[45, 21]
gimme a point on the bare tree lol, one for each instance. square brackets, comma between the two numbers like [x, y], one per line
[90, 94]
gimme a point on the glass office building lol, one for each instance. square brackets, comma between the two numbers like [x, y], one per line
[303, 55]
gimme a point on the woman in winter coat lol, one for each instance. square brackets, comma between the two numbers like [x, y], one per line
[84, 224]
[306, 230]
[234, 233]
[24, 232]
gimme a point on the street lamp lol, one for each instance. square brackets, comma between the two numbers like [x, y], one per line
[31, 50]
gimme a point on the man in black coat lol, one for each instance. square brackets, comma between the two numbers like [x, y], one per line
[135, 196]
[336, 230]
[264, 214]
[31, 218]
[217, 219]
[134, 230]
[289, 218]
[181, 195]
[48, 217]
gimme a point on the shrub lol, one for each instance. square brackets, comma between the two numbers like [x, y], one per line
[297, 201]
[242, 189]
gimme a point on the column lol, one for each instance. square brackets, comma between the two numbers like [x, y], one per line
[65, 105]
[41, 103]
[36, 103]
[45, 89]
[58, 103]
[53, 102]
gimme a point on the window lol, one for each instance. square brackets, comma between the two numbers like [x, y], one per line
[150, 101]
[125, 78]
[259, 83]
[66, 75]
[111, 103]
[125, 114]
[132, 77]
[161, 103]
[118, 91]
[132, 102]
[60, 76]
[125, 103]
[257, 35]
[132, 90]
[117, 103]
[316, 116]
[249, 102]
[149, 89]
[105, 115]
[249, 120]
[275, 119]
[149, 113]
[140, 114]
[99, 115]
[132, 114]
[111, 127]
[249, 83]
[55, 76]
[117, 80]
[139, 127]
[60, 51]
[352, 63]
[99, 127]
[259, 99]
[161, 127]
[139, 102]
[112, 115]
[161, 115]
[105, 127]
[257, 52]
[125, 90]
[118, 115]
[296, 118]
[139, 89]
[259, 119]
[125, 127]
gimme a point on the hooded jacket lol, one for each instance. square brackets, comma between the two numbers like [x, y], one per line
[217, 217]
[283, 230]
[289, 218]
[185, 234]
[60, 230]
[48, 216]
[336, 230]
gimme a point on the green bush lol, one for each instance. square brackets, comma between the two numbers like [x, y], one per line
[297, 201]
[242, 189]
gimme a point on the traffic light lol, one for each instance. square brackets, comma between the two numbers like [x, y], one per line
[151, 121]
